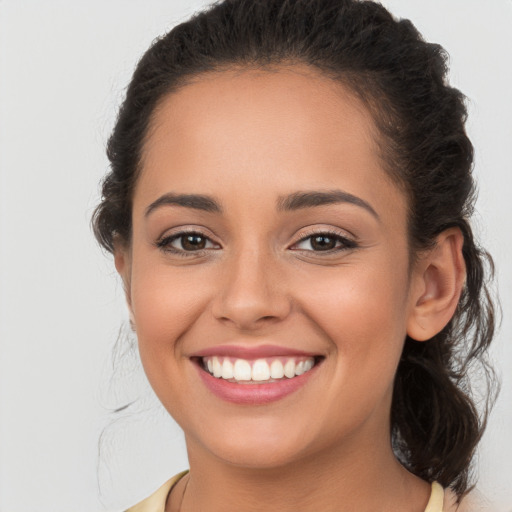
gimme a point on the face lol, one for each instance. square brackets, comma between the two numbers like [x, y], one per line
[268, 242]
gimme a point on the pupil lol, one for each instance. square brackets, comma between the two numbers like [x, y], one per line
[323, 243]
[192, 242]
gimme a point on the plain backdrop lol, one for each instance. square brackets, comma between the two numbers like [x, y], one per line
[63, 69]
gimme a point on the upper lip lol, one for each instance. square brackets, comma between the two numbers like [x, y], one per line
[251, 352]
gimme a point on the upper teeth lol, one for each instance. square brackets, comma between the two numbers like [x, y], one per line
[259, 369]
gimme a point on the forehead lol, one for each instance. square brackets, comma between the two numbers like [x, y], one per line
[281, 129]
[252, 106]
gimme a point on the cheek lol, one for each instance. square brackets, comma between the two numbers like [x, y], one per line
[362, 314]
[363, 310]
[166, 302]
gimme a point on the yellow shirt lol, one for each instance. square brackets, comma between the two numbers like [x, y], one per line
[156, 502]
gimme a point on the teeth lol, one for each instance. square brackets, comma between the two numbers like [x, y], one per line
[260, 370]
[276, 369]
[217, 367]
[227, 369]
[242, 370]
[289, 368]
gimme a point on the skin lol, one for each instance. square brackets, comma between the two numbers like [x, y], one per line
[248, 138]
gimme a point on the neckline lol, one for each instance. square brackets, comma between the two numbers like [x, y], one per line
[156, 502]
[436, 501]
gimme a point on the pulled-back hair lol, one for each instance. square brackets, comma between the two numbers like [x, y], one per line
[435, 424]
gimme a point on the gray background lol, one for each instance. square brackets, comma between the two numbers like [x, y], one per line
[63, 69]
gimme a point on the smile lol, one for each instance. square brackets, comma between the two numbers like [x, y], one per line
[256, 375]
[244, 371]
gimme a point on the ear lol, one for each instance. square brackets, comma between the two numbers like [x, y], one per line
[122, 261]
[438, 282]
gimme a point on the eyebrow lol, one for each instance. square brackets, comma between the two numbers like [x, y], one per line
[291, 202]
[299, 200]
[195, 201]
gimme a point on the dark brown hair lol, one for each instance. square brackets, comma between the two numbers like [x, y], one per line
[401, 78]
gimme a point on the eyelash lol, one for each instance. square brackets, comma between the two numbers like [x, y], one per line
[346, 243]
[165, 243]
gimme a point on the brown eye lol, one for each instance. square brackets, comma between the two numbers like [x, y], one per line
[186, 242]
[192, 242]
[323, 242]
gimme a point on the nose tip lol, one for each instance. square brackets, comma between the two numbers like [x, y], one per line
[251, 297]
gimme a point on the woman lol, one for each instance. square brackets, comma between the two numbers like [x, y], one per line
[288, 209]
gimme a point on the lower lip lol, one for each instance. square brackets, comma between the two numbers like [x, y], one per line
[253, 394]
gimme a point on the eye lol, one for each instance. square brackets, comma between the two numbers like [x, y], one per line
[324, 241]
[186, 241]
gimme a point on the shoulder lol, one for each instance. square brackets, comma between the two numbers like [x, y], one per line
[474, 501]
[156, 502]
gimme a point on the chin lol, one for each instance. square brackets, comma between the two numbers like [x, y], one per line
[252, 455]
[256, 445]
[274, 443]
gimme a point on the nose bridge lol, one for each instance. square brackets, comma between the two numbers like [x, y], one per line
[252, 291]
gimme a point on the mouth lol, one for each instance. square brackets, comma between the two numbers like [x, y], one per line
[258, 371]
[242, 378]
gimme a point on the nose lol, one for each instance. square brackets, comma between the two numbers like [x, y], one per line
[252, 292]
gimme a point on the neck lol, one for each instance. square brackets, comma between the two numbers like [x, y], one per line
[366, 478]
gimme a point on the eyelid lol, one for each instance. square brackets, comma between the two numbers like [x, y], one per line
[347, 241]
[164, 242]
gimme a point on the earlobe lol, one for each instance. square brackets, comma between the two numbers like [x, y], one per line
[122, 262]
[440, 277]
